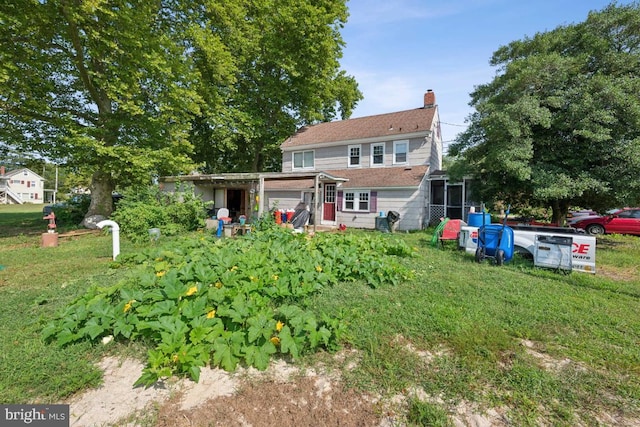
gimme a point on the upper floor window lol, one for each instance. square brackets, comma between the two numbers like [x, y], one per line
[377, 154]
[354, 155]
[400, 151]
[303, 159]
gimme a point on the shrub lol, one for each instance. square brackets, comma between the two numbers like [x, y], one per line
[173, 213]
[72, 212]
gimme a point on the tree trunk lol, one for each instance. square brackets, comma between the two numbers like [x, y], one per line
[102, 187]
[560, 209]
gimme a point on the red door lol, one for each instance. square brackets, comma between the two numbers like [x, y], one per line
[329, 206]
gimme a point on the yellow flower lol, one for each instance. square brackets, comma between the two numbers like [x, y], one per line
[175, 358]
[318, 268]
[128, 305]
[275, 340]
[279, 326]
[161, 273]
[234, 268]
[211, 314]
[218, 284]
[192, 290]
[275, 277]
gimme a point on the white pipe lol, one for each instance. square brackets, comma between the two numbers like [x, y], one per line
[115, 233]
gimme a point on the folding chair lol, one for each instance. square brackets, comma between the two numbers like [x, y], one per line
[450, 231]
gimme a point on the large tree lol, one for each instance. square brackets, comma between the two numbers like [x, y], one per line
[559, 125]
[108, 87]
[287, 75]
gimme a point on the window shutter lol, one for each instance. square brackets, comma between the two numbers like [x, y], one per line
[340, 197]
[373, 203]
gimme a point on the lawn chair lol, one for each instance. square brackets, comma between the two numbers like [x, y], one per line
[450, 231]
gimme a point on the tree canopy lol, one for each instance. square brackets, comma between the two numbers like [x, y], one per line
[286, 56]
[123, 90]
[559, 125]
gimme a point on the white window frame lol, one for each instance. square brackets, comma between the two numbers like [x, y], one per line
[349, 156]
[304, 165]
[357, 199]
[395, 151]
[373, 149]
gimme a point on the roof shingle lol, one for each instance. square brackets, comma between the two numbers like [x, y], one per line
[382, 125]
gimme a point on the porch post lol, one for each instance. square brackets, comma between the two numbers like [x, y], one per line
[315, 201]
[260, 196]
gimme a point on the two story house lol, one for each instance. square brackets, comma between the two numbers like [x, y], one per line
[346, 172]
[373, 165]
[21, 186]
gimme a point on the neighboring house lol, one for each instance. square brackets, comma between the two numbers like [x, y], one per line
[21, 186]
[347, 172]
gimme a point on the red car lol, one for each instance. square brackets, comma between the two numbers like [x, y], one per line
[621, 221]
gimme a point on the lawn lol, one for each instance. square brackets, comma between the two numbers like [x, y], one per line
[546, 347]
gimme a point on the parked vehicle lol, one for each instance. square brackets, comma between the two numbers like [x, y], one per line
[620, 221]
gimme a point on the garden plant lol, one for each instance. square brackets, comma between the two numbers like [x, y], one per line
[224, 302]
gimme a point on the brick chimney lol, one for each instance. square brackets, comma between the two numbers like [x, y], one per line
[429, 98]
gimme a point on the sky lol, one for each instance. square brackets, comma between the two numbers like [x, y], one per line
[398, 49]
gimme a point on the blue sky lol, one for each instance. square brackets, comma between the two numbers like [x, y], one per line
[397, 49]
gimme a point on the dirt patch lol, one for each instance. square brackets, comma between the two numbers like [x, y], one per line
[619, 274]
[283, 395]
[307, 401]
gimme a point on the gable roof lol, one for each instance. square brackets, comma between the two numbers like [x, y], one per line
[20, 171]
[390, 125]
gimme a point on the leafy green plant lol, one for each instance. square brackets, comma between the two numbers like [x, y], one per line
[142, 209]
[72, 211]
[225, 302]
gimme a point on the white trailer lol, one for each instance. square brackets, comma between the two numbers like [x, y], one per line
[527, 242]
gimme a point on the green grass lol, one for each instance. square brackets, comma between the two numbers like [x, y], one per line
[457, 331]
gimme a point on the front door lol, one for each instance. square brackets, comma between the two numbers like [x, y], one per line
[329, 205]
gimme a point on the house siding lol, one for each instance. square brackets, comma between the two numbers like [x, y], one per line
[336, 157]
[409, 203]
[26, 184]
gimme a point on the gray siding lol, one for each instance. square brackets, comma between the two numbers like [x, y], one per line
[281, 199]
[336, 157]
[408, 203]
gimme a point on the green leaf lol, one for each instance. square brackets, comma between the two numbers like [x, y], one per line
[223, 355]
[260, 356]
[194, 373]
[147, 379]
[65, 336]
[260, 326]
[92, 328]
[287, 343]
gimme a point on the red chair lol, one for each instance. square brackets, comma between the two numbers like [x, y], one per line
[451, 231]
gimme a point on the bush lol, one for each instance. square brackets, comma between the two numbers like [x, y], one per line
[72, 211]
[173, 213]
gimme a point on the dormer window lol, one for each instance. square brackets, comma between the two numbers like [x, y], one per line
[354, 155]
[400, 152]
[303, 159]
